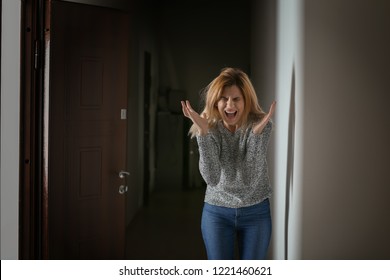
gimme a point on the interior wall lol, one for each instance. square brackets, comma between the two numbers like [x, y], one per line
[10, 109]
[346, 153]
[277, 66]
[289, 129]
[331, 59]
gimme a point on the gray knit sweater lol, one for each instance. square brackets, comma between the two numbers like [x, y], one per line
[234, 166]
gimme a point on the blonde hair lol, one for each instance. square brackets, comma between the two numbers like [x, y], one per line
[212, 93]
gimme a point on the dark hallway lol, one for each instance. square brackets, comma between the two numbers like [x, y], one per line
[183, 46]
[168, 228]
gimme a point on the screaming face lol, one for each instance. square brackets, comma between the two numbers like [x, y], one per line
[231, 107]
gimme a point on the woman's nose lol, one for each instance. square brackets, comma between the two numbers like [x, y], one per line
[230, 103]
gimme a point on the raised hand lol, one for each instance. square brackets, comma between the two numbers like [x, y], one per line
[198, 120]
[258, 128]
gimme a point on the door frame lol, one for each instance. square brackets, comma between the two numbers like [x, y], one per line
[32, 210]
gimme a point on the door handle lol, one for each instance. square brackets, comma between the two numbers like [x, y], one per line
[122, 174]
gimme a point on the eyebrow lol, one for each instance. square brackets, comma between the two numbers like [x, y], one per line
[234, 97]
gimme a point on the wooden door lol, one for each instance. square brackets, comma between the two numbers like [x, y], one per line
[88, 73]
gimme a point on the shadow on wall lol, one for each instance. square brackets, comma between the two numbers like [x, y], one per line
[290, 162]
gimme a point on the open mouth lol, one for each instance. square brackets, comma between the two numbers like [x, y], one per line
[231, 115]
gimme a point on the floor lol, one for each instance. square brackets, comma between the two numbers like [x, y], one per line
[168, 228]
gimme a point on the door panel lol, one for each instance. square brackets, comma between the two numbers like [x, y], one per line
[87, 133]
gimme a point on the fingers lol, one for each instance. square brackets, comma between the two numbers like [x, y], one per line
[258, 128]
[184, 109]
[189, 106]
[273, 104]
[272, 109]
[187, 109]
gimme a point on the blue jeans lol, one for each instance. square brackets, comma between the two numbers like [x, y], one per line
[250, 226]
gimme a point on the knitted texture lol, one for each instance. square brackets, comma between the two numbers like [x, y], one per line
[234, 166]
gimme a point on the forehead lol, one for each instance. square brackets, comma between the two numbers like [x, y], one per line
[232, 91]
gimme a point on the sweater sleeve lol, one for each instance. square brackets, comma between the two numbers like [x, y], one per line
[209, 159]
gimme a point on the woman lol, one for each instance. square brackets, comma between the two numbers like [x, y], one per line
[233, 134]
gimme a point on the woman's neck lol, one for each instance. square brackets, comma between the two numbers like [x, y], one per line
[231, 128]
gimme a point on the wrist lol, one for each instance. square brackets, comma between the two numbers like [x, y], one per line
[202, 132]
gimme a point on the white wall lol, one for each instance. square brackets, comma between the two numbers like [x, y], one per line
[288, 130]
[337, 197]
[10, 87]
[277, 75]
[346, 154]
